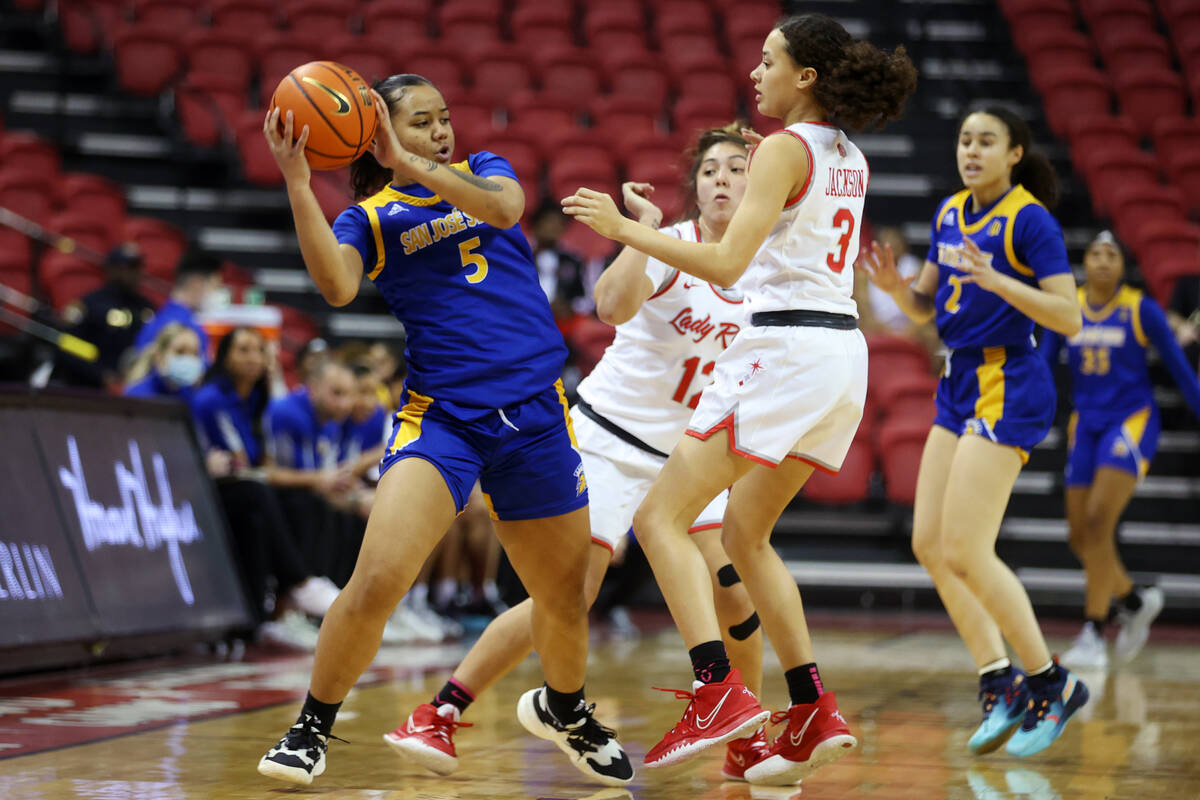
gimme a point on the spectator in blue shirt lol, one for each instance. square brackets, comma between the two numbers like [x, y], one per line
[306, 425]
[170, 367]
[197, 278]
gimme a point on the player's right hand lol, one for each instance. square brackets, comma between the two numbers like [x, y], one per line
[287, 150]
[880, 263]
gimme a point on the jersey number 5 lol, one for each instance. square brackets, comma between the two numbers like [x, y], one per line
[844, 221]
[689, 372]
[475, 260]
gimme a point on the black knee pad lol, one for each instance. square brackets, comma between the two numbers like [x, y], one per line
[744, 630]
[727, 576]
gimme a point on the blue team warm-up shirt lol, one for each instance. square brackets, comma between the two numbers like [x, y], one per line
[481, 335]
[298, 439]
[1024, 241]
[1110, 378]
[360, 437]
[225, 421]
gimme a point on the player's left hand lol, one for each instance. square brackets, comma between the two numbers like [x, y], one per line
[386, 145]
[978, 267]
[596, 210]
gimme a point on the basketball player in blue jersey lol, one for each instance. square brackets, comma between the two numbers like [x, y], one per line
[996, 265]
[1112, 438]
[482, 401]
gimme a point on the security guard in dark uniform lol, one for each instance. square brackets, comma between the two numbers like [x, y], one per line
[109, 318]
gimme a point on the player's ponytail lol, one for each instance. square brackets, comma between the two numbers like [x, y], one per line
[857, 84]
[1034, 171]
[368, 176]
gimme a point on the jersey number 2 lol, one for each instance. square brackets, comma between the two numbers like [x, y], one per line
[843, 220]
[689, 372]
[475, 260]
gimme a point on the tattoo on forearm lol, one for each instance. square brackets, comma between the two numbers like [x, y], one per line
[482, 183]
[429, 165]
[474, 180]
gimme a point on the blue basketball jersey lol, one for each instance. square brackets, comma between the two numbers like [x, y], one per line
[1023, 241]
[480, 331]
[1107, 358]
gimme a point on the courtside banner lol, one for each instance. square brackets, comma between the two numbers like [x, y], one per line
[116, 522]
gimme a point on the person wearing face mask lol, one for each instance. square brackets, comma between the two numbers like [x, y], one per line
[170, 367]
[483, 401]
[197, 286]
[996, 265]
[633, 407]
[1112, 438]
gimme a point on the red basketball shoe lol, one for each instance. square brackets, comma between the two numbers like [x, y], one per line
[716, 712]
[741, 754]
[816, 735]
[427, 737]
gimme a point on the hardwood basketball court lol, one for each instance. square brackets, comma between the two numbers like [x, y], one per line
[905, 685]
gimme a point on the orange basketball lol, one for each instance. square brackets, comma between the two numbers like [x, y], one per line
[336, 105]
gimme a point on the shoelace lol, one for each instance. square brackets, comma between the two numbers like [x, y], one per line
[680, 694]
[990, 693]
[778, 717]
[589, 736]
[306, 736]
[443, 728]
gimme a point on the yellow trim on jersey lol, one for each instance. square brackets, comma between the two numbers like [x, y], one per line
[386, 195]
[989, 407]
[1134, 298]
[377, 232]
[487, 501]
[1071, 426]
[1134, 427]
[410, 418]
[1103, 313]
[562, 401]
[955, 201]
[1017, 198]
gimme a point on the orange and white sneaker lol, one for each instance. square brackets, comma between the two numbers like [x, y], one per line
[428, 737]
[741, 754]
[716, 713]
[816, 735]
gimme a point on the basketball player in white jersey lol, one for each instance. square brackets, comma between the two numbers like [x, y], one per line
[633, 408]
[787, 394]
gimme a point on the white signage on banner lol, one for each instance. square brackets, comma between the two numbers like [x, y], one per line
[138, 522]
[27, 572]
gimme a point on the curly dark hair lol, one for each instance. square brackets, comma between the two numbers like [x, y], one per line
[1034, 171]
[731, 133]
[368, 176]
[858, 85]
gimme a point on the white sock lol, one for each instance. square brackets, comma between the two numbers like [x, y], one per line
[999, 663]
[1033, 673]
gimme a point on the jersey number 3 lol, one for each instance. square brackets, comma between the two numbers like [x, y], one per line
[475, 260]
[844, 221]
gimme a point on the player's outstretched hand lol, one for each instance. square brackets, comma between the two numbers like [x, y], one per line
[287, 150]
[596, 210]
[636, 197]
[978, 266]
[880, 263]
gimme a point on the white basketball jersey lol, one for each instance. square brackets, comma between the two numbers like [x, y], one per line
[807, 260]
[650, 378]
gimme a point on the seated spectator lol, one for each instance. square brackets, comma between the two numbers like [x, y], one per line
[228, 410]
[562, 274]
[170, 367]
[197, 281]
[365, 431]
[110, 318]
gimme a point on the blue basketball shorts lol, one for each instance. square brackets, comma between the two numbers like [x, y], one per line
[1122, 442]
[1005, 394]
[524, 456]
